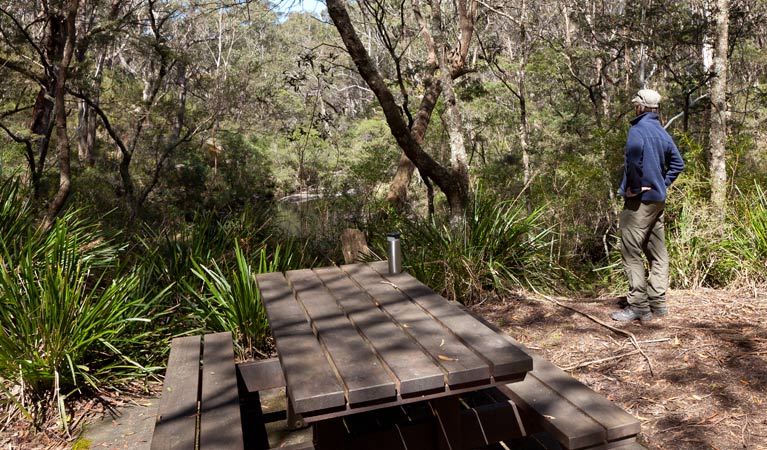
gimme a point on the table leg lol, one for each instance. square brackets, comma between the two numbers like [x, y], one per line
[295, 421]
[448, 414]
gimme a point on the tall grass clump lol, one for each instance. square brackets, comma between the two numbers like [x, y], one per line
[498, 246]
[749, 237]
[697, 244]
[228, 299]
[70, 319]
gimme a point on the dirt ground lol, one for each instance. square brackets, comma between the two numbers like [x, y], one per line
[700, 384]
[700, 380]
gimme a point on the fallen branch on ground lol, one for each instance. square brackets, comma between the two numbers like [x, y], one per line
[601, 360]
[608, 326]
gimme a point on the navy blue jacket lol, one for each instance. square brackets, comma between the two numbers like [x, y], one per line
[652, 160]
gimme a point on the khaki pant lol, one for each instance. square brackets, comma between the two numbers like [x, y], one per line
[641, 227]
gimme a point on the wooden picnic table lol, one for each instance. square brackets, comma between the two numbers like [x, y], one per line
[355, 338]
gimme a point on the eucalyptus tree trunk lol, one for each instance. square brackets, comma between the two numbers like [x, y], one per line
[60, 116]
[90, 25]
[86, 118]
[453, 119]
[451, 183]
[397, 195]
[718, 133]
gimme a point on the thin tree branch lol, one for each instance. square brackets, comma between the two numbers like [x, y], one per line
[608, 326]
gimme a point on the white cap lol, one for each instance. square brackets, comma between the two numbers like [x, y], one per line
[647, 98]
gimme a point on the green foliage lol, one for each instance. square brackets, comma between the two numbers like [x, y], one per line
[697, 245]
[219, 175]
[15, 214]
[167, 255]
[749, 238]
[70, 319]
[694, 181]
[229, 300]
[210, 260]
[374, 154]
[497, 247]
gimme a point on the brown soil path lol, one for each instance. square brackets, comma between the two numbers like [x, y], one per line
[708, 386]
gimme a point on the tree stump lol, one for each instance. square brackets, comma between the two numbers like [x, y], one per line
[353, 245]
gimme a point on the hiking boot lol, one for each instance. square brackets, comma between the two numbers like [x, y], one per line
[659, 312]
[630, 314]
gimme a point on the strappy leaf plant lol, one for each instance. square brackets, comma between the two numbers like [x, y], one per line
[229, 299]
[749, 240]
[70, 318]
[496, 247]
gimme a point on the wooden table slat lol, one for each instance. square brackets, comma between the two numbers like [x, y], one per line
[460, 363]
[505, 359]
[177, 415]
[311, 381]
[415, 372]
[362, 373]
[261, 375]
[219, 402]
[570, 425]
[617, 422]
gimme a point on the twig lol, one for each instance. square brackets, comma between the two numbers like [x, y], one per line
[610, 358]
[601, 360]
[743, 432]
[608, 326]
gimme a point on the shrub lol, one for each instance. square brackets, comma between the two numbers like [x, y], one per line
[497, 246]
[70, 317]
[229, 300]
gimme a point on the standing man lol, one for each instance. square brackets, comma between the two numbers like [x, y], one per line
[651, 164]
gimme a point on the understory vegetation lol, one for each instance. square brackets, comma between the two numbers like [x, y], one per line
[155, 157]
[83, 309]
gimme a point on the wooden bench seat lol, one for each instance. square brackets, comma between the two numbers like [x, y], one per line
[485, 417]
[200, 406]
[551, 400]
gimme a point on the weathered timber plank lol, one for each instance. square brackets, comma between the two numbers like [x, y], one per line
[362, 373]
[630, 444]
[311, 382]
[177, 415]
[262, 375]
[459, 362]
[617, 422]
[220, 422]
[506, 360]
[415, 371]
[568, 424]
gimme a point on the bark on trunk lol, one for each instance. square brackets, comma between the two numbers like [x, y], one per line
[458, 159]
[445, 179]
[60, 113]
[86, 137]
[718, 136]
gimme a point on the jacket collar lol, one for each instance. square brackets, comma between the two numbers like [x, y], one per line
[647, 115]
